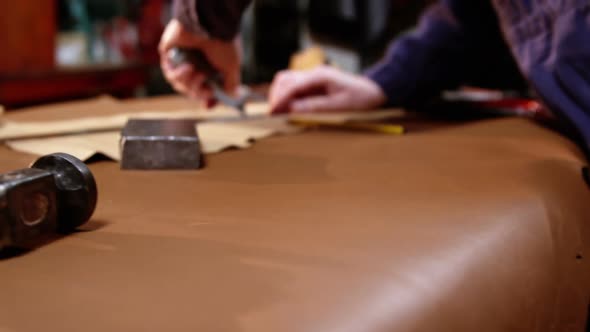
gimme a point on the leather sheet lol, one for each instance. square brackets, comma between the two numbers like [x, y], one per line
[475, 227]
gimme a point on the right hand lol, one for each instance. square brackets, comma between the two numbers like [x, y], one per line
[223, 55]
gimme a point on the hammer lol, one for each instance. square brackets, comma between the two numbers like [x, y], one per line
[56, 194]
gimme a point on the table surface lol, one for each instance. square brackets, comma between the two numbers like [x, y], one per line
[473, 227]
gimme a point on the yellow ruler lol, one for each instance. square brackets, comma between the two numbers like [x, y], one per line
[390, 129]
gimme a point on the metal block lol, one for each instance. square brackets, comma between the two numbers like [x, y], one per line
[160, 144]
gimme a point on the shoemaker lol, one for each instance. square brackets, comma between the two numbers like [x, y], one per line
[455, 42]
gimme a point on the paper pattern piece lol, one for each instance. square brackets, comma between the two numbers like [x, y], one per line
[215, 137]
[10, 130]
[86, 137]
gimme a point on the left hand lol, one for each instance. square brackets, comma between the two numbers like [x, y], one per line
[323, 89]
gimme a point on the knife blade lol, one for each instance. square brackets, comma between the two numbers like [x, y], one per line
[214, 79]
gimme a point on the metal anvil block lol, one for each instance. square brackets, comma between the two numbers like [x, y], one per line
[160, 144]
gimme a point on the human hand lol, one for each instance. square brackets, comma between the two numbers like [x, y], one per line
[323, 89]
[223, 55]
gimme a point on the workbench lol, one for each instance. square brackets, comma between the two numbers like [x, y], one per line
[479, 226]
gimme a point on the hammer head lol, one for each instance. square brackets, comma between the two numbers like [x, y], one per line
[58, 193]
[160, 144]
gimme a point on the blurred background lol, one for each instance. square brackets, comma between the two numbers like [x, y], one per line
[57, 50]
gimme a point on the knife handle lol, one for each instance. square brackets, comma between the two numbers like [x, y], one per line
[198, 60]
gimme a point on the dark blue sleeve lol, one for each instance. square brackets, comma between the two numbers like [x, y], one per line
[219, 18]
[441, 53]
[562, 79]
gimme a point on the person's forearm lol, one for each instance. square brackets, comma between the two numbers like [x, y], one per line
[218, 18]
[436, 56]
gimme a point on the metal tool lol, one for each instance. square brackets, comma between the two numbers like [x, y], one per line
[494, 103]
[214, 79]
[56, 194]
[150, 144]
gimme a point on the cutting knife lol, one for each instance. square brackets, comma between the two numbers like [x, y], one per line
[213, 79]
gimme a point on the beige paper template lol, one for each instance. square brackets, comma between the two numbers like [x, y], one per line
[84, 137]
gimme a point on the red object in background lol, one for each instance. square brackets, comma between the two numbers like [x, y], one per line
[150, 28]
[122, 37]
[27, 32]
[498, 102]
[60, 85]
[517, 106]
